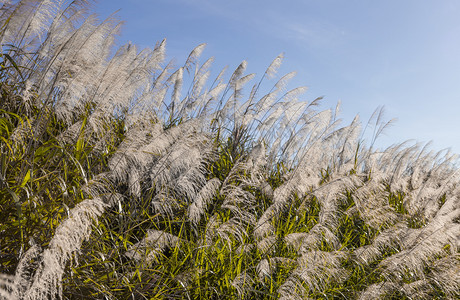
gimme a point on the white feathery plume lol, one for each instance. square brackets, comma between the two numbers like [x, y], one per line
[376, 291]
[318, 268]
[23, 131]
[164, 204]
[198, 207]
[190, 182]
[240, 83]
[62, 27]
[59, 55]
[236, 196]
[419, 168]
[237, 74]
[211, 230]
[70, 135]
[157, 56]
[239, 201]
[201, 78]
[193, 56]
[416, 290]
[302, 181]
[424, 198]
[134, 185]
[150, 247]
[25, 270]
[179, 158]
[293, 289]
[125, 80]
[392, 238]
[178, 174]
[233, 229]
[316, 235]
[266, 245]
[244, 249]
[66, 241]
[344, 145]
[241, 282]
[321, 122]
[425, 243]
[176, 79]
[371, 200]
[308, 138]
[194, 99]
[73, 74]
[274, 66]
[296, 239]
[44, 13]
[158, 98]
[292, 95]
[8, 288]
[399, 179]
[267, 266]
[13, 287]
[161, 79]
[446, 275]
[282, 82]
[265, 105]
[96, 48]
[15, 20]
[240, 112]
[208, 100]
[127, 92]
[272, 118]
[132, 152]
[294, 109]
[264, 225]
[329, 195]
[264, 269]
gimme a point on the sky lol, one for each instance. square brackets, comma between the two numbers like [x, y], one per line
[403, 55]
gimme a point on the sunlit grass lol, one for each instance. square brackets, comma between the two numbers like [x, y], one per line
[114, 185]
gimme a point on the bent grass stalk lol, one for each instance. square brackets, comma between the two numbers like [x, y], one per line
[114, 185]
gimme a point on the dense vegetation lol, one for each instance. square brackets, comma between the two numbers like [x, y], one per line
[116, 182]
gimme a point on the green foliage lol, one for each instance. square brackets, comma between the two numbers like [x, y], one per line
[204, 197]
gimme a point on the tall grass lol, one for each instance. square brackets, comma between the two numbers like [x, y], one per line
[119, 182]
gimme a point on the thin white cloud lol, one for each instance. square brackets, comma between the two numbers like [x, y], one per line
[314, 34]
[303, 30]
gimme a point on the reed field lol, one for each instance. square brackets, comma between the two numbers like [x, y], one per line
[125, 176]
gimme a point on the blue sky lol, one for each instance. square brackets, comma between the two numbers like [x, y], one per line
[404, 55]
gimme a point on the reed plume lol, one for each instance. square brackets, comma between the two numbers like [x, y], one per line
[126, 176]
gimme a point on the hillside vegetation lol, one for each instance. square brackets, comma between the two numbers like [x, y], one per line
[123, 176]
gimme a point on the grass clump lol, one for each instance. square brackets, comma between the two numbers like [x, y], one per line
[116, 183]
